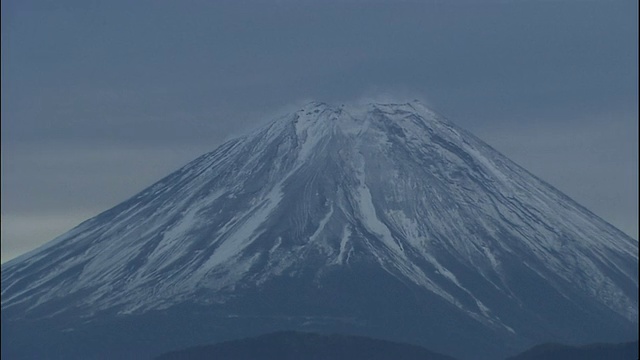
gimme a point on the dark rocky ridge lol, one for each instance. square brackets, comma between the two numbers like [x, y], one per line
[305, 346]
[622, 351]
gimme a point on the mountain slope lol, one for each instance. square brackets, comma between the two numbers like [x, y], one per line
[383, 220]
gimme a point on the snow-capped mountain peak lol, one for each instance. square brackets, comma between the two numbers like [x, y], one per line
[332, 191]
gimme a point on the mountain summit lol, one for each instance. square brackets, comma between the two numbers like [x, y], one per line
[383, 220]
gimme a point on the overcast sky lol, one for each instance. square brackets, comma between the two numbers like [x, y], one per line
[102, 98]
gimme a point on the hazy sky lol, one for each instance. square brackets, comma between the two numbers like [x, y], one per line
[102, 98]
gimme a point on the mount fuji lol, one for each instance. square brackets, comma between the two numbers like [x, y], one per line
[381, 220]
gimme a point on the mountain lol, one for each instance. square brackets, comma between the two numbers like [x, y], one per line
[305, 346]
[383, 220]
[622, 351]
